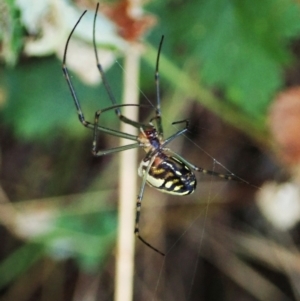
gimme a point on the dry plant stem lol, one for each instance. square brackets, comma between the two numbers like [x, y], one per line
[243, 274]
[227, 244]
[127, 184]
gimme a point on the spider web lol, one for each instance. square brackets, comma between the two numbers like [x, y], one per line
[203, 229]
[240, 155]
[211, 237]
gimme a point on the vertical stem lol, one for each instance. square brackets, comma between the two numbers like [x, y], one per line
[127, 184]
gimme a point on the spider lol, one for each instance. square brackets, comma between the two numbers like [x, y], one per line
[161, 168]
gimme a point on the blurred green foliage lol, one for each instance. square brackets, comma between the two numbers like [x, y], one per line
[19, 261]
[11, 31]
[240, 47]
[39, 103]
[86, 237]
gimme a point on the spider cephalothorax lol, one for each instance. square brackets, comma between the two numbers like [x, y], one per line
[161, 168]
[149, 139]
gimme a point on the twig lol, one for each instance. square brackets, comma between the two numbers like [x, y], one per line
[127, 184]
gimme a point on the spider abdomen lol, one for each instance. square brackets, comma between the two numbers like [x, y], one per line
[169, 175]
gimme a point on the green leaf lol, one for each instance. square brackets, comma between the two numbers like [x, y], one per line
[243, 49]
[239, 47]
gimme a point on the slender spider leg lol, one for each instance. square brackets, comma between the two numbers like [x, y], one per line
[177, 134]
[186, 121]
[98, 153]
[96, 127]
[68, 79]
[202, 170]
[157, 110]
[139, 205]
[106, 84]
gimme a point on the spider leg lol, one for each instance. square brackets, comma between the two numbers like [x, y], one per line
[68, 79]
[186, 121]
[98, 153]
[72, 89]
[81, 117]
[202, 170]
[106, 84]
[139, 205]
[97, 128]
[179, 133]
[158, 110]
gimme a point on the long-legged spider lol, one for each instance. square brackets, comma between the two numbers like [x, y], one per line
[161, 167]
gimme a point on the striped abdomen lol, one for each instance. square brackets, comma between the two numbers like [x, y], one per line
[169, 175]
